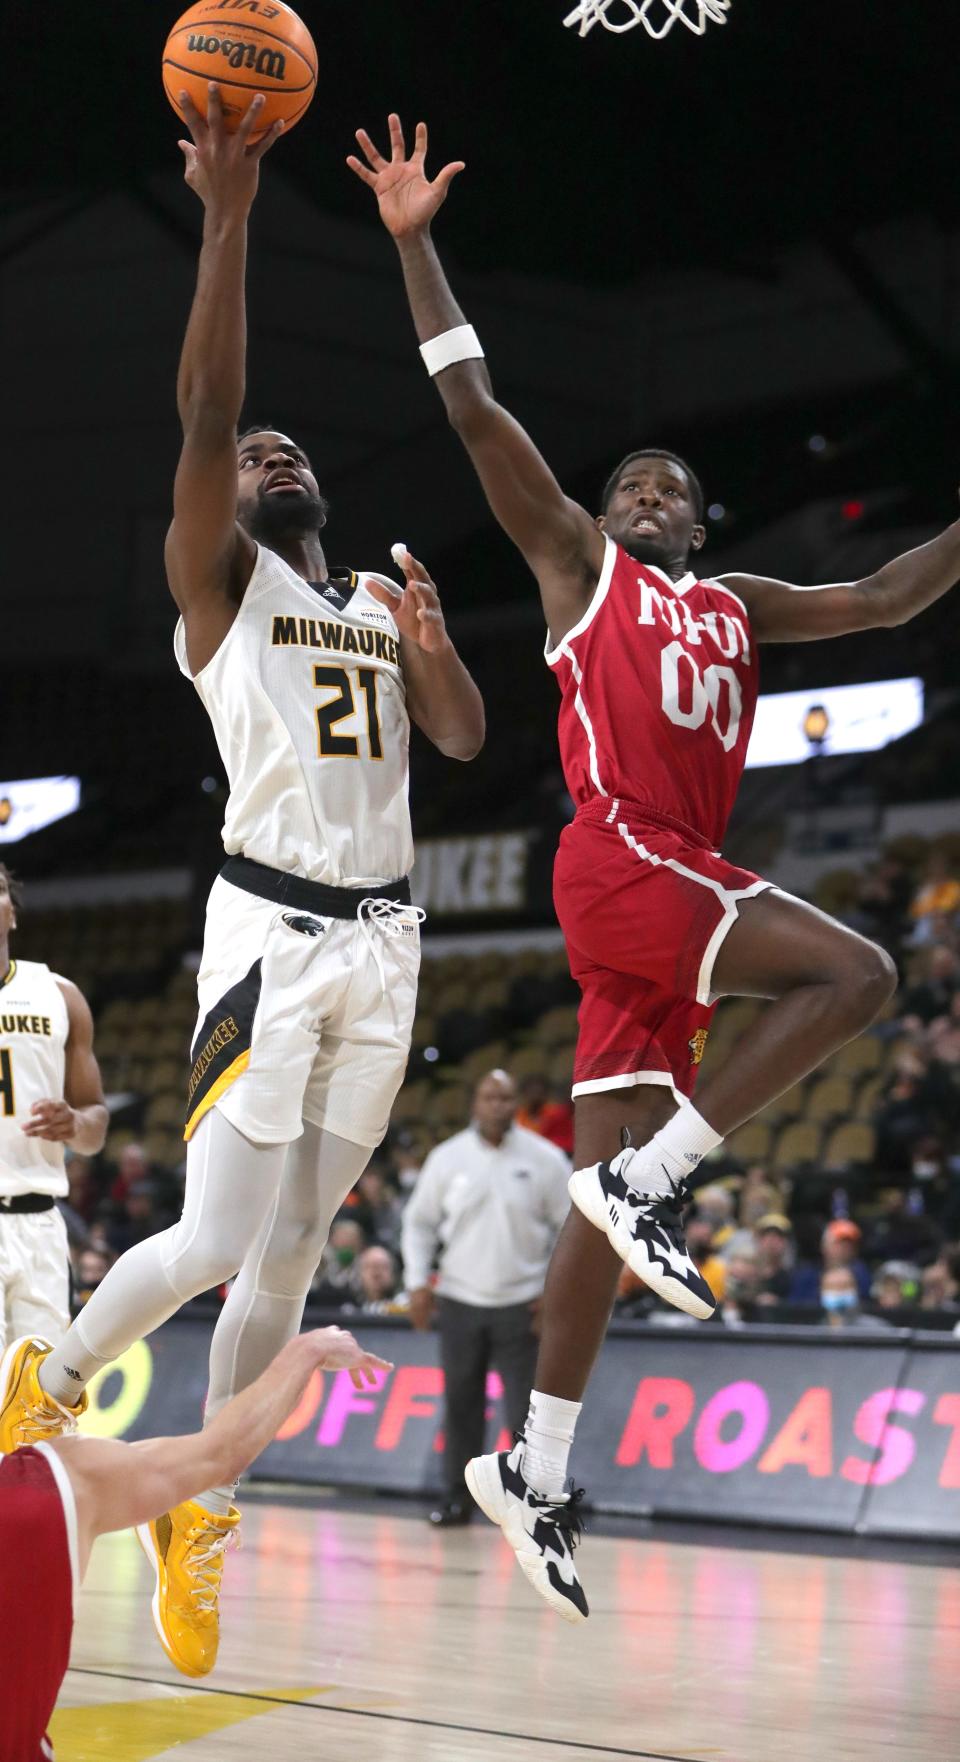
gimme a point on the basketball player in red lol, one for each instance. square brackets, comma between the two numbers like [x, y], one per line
[657, 669]
[56, 1498]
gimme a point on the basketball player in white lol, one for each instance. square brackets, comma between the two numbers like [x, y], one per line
[307, 985]
[50, 1096]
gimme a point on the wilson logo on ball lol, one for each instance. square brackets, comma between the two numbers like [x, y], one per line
[269, 62]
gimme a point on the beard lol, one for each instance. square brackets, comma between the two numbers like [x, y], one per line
[286, 515]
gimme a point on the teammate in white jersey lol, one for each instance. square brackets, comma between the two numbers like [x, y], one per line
[307, 984]
[50, 1096]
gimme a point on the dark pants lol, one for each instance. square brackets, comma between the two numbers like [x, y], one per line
[472, 1342]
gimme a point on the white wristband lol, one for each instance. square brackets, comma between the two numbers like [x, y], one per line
[461, 344]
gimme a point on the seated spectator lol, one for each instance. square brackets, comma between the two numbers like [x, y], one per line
[132, 1166]
[742, 1281]
[82, 1188]
[933, 994]
[140, 1214]
[911, 1103]
[773, 1237]
[936, 900]
[902, 1230]
[758, 1199]
[896, 1285]
[840, 1301]
[92, 1267]
[716, 1204]
[942, 1037]
[541, 1111]
[839, 1247]
[883, 898]
[406, 1160]
[374, 1280]
[939, 1284]
[375, 1206]
[334, 1279]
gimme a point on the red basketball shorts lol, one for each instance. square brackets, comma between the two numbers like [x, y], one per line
[644, 906]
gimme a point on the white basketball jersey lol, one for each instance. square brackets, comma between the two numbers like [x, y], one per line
[308, 705]
[33, 1035]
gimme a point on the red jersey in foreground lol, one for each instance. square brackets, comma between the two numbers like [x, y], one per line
[38, 1567]
[659, 681]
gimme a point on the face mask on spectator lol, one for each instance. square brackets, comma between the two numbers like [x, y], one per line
[924, 1170]
[834, 1300]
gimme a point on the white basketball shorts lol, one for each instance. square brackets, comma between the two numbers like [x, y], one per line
[302, 1017]
[34, 1276]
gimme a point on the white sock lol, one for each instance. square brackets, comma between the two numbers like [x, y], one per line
[217, 1500]
[685, 1140]
[548, 1435]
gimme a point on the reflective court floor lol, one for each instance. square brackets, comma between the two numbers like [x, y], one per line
[350, 1635]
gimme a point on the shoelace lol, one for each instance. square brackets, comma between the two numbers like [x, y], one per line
[61, 1424]
[204, 1565]
[565, 1517]
[374, 914]
[665, 1209]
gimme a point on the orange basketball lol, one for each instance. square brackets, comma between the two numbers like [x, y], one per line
[247, 46]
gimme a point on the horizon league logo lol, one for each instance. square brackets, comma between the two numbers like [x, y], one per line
[272, 63]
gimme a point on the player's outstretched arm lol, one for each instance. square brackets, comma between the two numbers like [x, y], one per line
[117, 1485]
[559, 540]
[79, 1118]
[891, 596]
[209, 559]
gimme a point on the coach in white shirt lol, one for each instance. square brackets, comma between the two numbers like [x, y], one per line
[487, 1207]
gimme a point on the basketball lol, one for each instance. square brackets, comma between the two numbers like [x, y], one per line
[247, 46]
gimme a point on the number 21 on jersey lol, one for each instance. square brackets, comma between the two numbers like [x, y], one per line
[343, 703]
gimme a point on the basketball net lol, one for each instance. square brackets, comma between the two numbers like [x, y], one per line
[657, 16]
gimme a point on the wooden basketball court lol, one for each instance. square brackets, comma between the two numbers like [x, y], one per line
[362, 1635]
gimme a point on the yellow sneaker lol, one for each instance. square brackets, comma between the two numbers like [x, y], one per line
[28, 1415]
[185, 1547]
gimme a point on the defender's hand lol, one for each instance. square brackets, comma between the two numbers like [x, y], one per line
[224, 169]
[53, 1120]
[338, 1350]
[416, 607]
[407, 199]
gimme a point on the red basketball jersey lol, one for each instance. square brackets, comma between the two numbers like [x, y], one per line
[37, 1564]
[659, 681]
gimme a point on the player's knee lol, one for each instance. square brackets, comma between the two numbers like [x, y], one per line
[869, 980]
[199, 1265]
[291, 1260]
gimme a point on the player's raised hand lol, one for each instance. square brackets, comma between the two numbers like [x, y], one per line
[415, 607]
[408, 200]
[224, 169]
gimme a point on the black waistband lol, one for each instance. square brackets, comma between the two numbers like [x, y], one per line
[26, 1202]
[307, 896]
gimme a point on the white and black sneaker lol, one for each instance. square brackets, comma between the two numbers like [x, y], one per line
[645, 1228]
[542, 1532]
